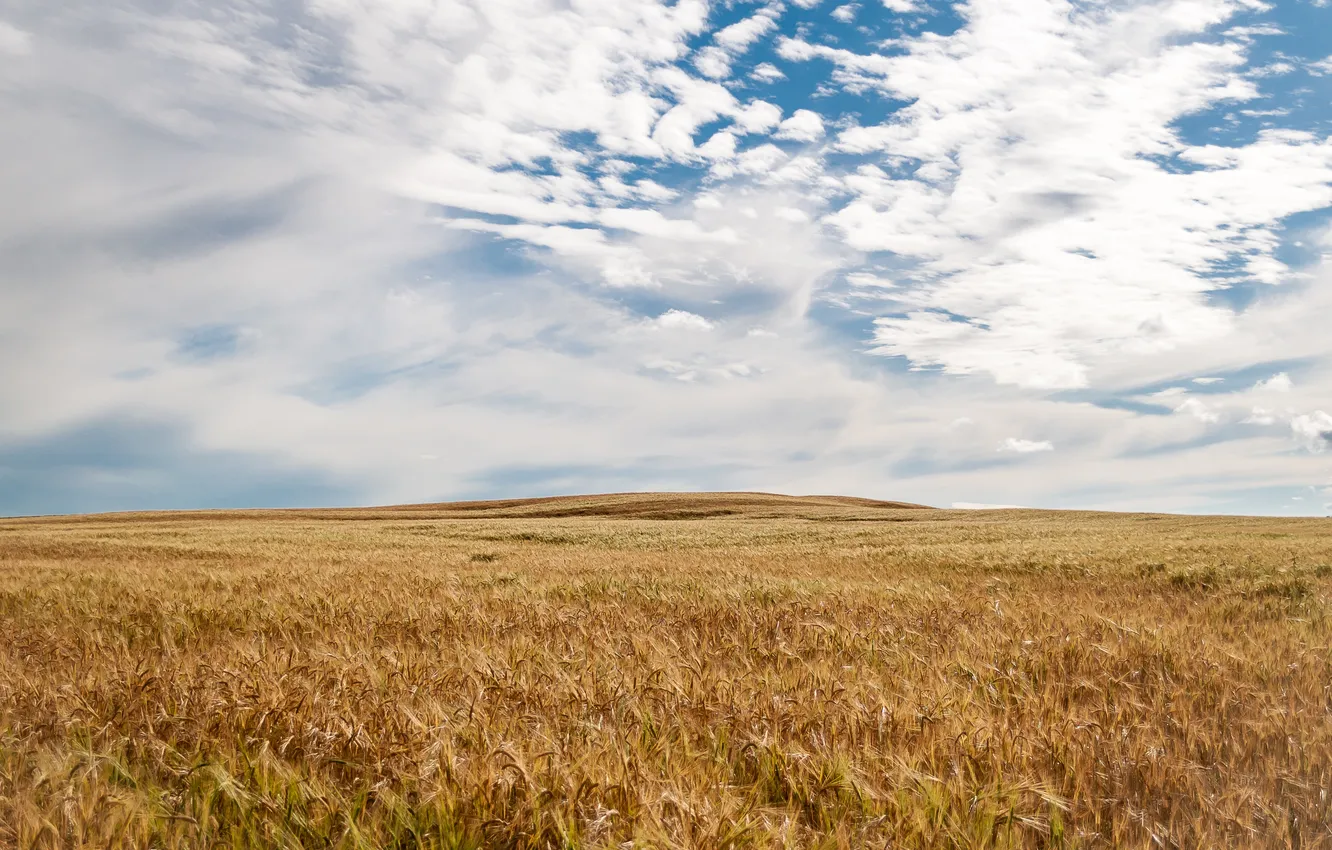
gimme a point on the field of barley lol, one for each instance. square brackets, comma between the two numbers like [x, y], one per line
[707, 671]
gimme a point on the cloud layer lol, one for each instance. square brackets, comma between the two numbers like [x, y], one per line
[1010, 252]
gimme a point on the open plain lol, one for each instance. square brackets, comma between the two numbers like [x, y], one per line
[691, 671]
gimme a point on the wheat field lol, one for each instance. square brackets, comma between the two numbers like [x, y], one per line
[712, 671]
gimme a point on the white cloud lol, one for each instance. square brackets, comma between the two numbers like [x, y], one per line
[804, 125]
[758, 117]
[570, 241]
[761, 160]
[766, 72]
[14, 41]
[1313, 430]
[1024, 447]
[1321, 67]
[869, 280]
[713, 62]
[1256, 30]
[901, 6]
[846, 13]
[1278, 383]
[653, 223]
[698, 102]
[721, 146]
[683, 319]
[1198, 410]
[1206, 381]
[650, 190]
[1260, 416]
[1273, 69]
[740, 36]
[1035, 190]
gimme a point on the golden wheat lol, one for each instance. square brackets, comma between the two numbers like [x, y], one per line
[764, 673]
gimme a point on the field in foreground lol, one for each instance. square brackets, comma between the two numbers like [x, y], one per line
[714, 672]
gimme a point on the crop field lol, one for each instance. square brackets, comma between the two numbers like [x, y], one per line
[708, 671]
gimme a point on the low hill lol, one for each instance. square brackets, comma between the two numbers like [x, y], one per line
[666, 506]
[659, 506]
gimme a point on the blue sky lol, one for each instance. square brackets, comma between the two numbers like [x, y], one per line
[1016, 252]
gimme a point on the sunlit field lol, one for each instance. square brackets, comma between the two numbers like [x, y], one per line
[696, 672]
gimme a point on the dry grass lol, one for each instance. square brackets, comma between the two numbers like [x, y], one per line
[792, 673]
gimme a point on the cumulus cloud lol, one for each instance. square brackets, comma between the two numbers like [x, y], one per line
[1278, 383]
[740, 36]
[721, 146]
[804, 125]
[847, 13]
[1199, 410]
[713, 62]
[758, 117]
[1025, 447]
[761, 160]
[1274, 69]
[733, 41]
[1313, 430]
[682, 319]
[1038, 190]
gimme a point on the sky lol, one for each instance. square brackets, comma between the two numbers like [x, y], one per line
[340, 252]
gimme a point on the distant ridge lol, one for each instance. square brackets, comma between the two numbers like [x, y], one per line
[657, 506]
[663, 506]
